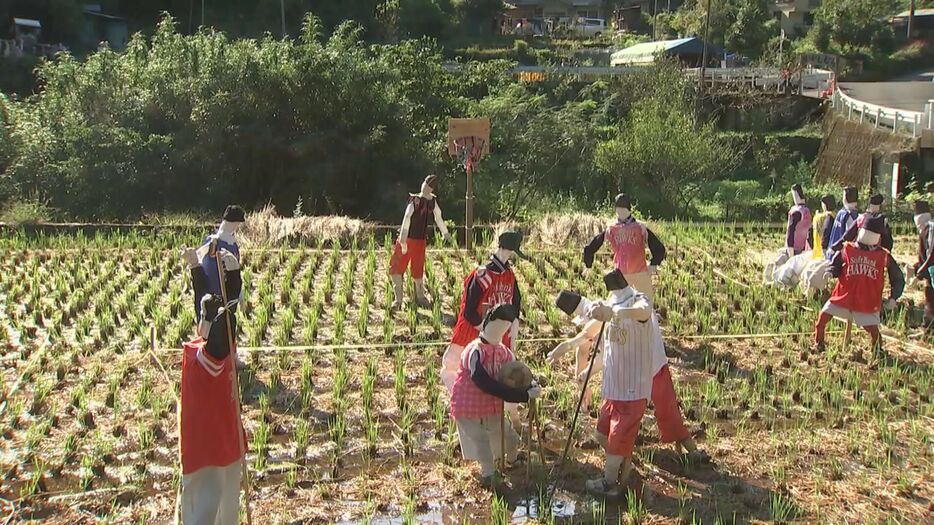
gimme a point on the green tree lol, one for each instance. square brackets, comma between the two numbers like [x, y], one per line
[743, 26]
[850, 25]
[660, 150]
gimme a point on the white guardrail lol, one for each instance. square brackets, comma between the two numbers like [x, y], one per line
[898, 120]
[768, 79]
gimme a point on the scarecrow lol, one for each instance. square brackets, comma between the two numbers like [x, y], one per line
[635, 370]
[212, 439]
[628, 239]
[225, 239]
[478, 396]
[860, 268]
[874, 211]
[410, 248]
[844, 219]
[924, 268]
[492, 284]
[823, 226]
[798, 234]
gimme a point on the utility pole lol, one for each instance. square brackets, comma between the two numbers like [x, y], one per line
[911, 18]
[282, 9]
[191, 14]
[655, 21]
[202, 13]
[703, 68]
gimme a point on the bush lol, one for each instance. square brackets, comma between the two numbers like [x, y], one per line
[26, 212]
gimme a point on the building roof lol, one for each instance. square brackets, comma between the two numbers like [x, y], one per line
[97, 14]
[645, 52]
[27, 22]
[918, 12]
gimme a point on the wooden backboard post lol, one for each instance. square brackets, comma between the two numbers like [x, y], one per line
[468, 142]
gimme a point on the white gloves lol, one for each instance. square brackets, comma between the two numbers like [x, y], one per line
[534, 391]
[189, 257]
[229, 260]
[601, 312]
[889, 304]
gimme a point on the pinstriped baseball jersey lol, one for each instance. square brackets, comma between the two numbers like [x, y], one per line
[633, 352]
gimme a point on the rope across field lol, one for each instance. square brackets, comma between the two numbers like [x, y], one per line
[347, 418]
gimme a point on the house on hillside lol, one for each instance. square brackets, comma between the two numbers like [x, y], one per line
[922, 24]
[689, 51]
[795, 16]
[99, 27]
[546, 16]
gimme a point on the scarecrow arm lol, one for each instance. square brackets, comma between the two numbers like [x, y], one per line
[406, 222]
[591, 249]
[849, 236]
[471, 304]
[790, 233]
[199, 281]
[825, 233]
[439, 221]
[836, 265]
[896, 278]
[924, 260]
[491, 386]
[656, 248]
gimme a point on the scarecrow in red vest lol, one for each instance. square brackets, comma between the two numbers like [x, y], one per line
[410, 248]
[210, 422]
[628, 239]
[860, 268]
[477, 396]
[492, 284]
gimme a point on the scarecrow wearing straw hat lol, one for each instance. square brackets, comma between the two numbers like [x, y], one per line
[635, 369]
[860, 268]
[212, 440]
[924, 268]
[492, 284]
[478, 395]
[874, 211]
[628, 239]
[410, 248]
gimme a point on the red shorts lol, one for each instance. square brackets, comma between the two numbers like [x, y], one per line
[619, 422]
[414, 258]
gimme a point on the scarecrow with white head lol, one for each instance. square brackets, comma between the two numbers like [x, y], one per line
[480, 390]
[860, 268]
[798, 234]
[924, 268]
[635, 370]
[211, 433]
[486, 286]
[845, 218]
[409, 251]
[628, 238]
[874, 211]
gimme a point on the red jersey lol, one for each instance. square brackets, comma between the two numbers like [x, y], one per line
[861, 283]
[628, 243]
[497, 288]
[209, 419]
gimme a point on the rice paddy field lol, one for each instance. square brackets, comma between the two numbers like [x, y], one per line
[347, 419]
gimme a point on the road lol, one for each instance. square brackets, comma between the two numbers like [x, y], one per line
[910, 96]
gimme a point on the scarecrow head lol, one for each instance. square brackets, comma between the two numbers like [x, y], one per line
[623, 206]
[922, 215]
[870, 234]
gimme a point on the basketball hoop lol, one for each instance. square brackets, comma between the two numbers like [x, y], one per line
[468, 142]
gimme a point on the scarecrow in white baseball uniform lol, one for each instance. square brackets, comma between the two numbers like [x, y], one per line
[410, 248]
[635, 369]
[210, 422]
[478, 396]
[628, 238]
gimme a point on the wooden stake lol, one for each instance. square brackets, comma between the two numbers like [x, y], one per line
[847, 334]
[232, 362]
